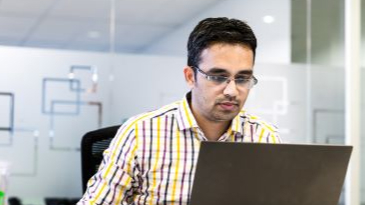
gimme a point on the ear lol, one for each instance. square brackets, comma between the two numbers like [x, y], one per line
[189, 76]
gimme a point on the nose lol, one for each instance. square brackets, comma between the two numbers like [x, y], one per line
[230, 89]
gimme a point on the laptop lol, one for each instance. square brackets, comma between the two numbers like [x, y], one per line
[269, 174]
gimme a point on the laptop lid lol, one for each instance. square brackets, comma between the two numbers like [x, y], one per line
[269, 174]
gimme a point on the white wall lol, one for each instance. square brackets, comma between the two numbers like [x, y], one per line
[274, 39]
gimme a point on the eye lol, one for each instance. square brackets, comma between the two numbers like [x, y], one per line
[242, 80]
[218, 79]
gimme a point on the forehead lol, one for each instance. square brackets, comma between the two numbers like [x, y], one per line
[233, 57]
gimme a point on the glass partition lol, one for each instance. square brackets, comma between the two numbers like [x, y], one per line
[68, 67]
[318, 42]
[54, 87]
[322, 52]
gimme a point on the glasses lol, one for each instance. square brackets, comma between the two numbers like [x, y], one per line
[247, 83]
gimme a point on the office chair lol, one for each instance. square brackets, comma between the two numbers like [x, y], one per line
[93, 145]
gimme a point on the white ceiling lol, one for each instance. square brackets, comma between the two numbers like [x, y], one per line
[85, 24]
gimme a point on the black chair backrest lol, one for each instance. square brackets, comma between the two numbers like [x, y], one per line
[93, 145]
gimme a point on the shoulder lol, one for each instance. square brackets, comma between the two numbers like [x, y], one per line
[133, 122]
[129, 131]
[260, 130]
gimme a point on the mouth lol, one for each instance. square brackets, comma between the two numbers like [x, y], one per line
[228, 106]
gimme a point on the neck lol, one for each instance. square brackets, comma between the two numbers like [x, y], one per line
[213, 130]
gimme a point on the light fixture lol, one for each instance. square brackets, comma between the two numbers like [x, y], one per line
[268, 19]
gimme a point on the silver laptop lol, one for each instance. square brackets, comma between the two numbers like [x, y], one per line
[269, 174]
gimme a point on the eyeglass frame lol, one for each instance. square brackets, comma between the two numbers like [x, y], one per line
[251, 82]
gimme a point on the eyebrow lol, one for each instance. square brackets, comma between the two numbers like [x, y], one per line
[221, 71]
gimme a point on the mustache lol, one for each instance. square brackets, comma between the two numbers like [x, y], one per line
[231, 100]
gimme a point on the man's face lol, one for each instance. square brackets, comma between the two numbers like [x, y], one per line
[216, 102]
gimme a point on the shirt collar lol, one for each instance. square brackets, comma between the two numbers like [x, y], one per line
[237, 122]
[185, 117]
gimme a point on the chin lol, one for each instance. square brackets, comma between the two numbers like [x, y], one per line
[225, 117]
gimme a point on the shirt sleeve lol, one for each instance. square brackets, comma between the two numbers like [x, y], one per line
[116, 179]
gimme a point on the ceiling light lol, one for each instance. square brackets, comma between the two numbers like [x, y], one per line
[268, 19]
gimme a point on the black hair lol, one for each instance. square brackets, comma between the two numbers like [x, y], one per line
[218, 30]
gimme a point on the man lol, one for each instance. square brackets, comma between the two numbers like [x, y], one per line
[153, 157]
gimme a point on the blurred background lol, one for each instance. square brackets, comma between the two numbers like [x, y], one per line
[71, 66]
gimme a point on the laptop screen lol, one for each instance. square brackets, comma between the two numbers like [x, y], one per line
[269, 174]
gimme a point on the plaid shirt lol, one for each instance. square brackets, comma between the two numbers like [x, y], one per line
[153, 157]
